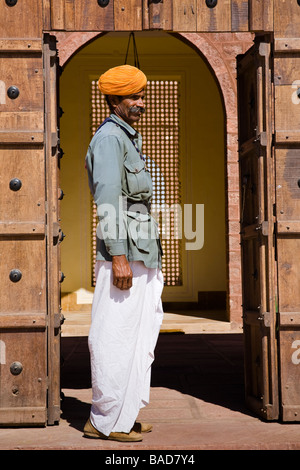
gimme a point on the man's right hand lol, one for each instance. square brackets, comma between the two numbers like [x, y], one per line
[122, 274]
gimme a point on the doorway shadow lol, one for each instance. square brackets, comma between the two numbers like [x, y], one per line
[209, 367]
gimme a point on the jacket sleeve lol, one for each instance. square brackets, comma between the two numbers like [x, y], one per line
[108, 158]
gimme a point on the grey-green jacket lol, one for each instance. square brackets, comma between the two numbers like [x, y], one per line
[122, 189]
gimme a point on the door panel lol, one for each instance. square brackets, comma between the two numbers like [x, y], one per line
[30, 237]
[23, 196]
[24, 72]
[21, 19]
[257, 230]
[80, 15]
[287, 164]
[23, 373]
[27, 256]
[290, 360]
[23, 274]
[128, 17]
[21, 93]
[90, 16]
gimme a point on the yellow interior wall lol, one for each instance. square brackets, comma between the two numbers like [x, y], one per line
[202, 155]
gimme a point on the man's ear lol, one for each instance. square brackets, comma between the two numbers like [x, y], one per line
[114, 100]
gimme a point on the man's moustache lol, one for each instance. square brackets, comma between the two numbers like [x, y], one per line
[136, 109]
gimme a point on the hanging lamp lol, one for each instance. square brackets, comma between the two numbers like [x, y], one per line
[135, 52]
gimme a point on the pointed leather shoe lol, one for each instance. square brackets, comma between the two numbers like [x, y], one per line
[142, 427]
[90, 431]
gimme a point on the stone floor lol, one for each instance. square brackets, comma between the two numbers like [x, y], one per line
[196, 403]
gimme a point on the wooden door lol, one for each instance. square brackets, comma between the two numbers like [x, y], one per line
[255, 97]
[23, 300]
[29, 234]
[287, 165]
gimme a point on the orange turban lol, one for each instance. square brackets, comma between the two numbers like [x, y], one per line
[123, 80]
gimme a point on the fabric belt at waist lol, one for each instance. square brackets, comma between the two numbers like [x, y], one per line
[141, 207]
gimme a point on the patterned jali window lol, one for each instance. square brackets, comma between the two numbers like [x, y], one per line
[160, 129]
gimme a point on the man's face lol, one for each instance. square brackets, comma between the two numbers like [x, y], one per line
[130, 108]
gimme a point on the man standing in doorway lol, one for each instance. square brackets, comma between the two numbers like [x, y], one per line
[127, 309]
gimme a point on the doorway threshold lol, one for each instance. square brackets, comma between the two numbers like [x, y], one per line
[77, 323]
[195, 322]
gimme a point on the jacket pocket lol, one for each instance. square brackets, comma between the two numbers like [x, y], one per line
[138, 179]
[141, 230]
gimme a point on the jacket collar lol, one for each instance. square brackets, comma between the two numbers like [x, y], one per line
[122, 123]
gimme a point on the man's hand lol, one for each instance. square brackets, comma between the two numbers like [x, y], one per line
[122, 274]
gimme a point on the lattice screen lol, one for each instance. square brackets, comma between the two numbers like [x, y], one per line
[160, 128]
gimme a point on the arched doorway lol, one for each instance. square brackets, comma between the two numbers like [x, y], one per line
[208, 159]
[35, 109]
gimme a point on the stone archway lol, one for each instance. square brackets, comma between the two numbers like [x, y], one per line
[220, 51]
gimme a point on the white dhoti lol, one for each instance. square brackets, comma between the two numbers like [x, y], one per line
[123, 335]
